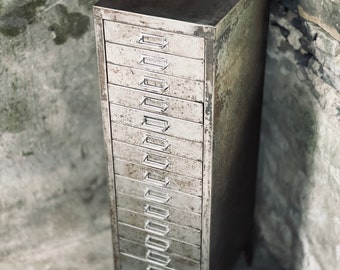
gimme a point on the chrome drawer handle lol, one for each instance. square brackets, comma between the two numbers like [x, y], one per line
[153, 41]
[153, 84]
[156, 196]
[153, 62]
[156, 212]
[154, 104]
[155, 179]
[157, 258]
[155, 124]
[156, 243]
[155, 227]
[155, 143]
[156, 161]
[150, 267]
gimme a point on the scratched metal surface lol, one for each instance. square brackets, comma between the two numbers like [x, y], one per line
[239, 64]
[233, 69]
[195, 11]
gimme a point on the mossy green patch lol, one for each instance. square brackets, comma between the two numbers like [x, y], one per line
[302, 122]
[71, 24]
[14, 116]
[15, 21]
[87, 3]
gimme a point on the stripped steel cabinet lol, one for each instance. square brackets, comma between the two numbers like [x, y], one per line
[181, 84]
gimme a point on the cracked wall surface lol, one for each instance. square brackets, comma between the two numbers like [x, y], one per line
[299, 169]
[52, 169]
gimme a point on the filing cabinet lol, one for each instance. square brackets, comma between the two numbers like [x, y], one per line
[181, 90]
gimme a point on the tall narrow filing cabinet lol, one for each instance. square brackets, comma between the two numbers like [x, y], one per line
[181, 90]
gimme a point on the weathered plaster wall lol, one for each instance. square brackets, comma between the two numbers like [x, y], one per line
[53, 201]
[52, 169]
[299, 169]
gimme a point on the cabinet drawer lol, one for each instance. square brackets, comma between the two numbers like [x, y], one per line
[158, 243]
[168, 106]
[158, 177]
[154, 40]
[154, 159]
[155, 141]
[161, 228]
[155, 83]
[163, 259]
[152, 193]
[188, 68]
[159, 211]
[157, 123]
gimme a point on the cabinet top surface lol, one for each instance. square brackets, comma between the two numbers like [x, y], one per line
[194, 11]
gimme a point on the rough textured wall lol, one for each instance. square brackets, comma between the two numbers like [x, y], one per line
[299, 170]
[52, 169]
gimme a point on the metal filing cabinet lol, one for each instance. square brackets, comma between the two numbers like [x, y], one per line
[181, 86]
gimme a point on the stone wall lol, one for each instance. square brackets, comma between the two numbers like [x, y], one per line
[299, 169]
[52, 169]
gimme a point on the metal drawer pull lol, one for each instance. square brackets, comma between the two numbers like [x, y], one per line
[155, 227]
[155, 143]
[157, 258]
[156, 196]
[155, 179]
[154, 104]
[155, 124]
[157, 243]
[153, 84]
[153, 41]
[150, 267]
[156, 212]
[155, 161]
[153, 62]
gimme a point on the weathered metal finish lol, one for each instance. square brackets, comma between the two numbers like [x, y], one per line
[102, 72]
[236, 122]
[173, 107]
[171, 214]
[165, 162]
[158, 123]
[154, 40]
[184, 127]
[167, 261]
[159, 142]
[166, 244]
[187, 68]
[165, 85]
[152, 193]
[172, 181]
[173, 231]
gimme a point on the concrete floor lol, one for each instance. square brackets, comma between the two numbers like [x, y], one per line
[75, 235]
[94, 253]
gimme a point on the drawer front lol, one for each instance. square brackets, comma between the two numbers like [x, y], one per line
[159, 178]
[188, 68]
[151, 193]
[161, 228]
[156, 258]
[157, 123]
[174, 107]
[155, 83]
[154, 40]
[155, 141]
[154, 159]
[158, 243]
[159, 211]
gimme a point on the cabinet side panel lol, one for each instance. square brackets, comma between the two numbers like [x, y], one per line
[207, 153]
[101, 58]
[239, 56]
